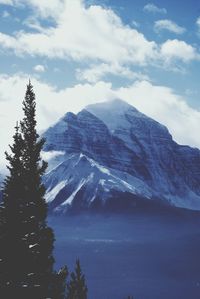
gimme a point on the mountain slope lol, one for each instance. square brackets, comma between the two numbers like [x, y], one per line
[111, 151]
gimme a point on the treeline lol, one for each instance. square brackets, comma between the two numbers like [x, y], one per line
[26, 240]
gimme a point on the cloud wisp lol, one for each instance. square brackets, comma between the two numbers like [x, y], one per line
[39, 68]
[96, 72]
[152, 8]
[168, 25]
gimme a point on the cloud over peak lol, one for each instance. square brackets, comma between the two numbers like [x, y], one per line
[156, 101]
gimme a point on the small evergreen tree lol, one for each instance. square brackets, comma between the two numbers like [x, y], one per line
[26, 260]
[59, 288]
[76, 288]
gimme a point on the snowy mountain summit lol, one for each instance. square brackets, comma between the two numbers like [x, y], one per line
[111, 156]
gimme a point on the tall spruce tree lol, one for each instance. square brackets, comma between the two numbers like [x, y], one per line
[11, 249]
[26, 260]
[76, 288]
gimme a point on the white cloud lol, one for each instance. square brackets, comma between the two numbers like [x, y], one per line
[158, 102]
[152, 8]
[84, 33]
[39, 68]
[168, 108]
[177, 49]
[169, 26]
[90, 33]
[96, 72]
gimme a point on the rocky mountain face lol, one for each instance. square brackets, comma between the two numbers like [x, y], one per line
[111, 156]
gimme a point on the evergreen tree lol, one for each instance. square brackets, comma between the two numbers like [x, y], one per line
[26, 260]
[59, 288]
[38, 236]
[11, 249]
[76, 288]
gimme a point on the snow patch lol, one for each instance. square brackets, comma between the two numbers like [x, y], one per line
[71, 197]
[95, 164]
[50, 196]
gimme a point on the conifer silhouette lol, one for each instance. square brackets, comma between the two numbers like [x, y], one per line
[76, 288]
[26, 260]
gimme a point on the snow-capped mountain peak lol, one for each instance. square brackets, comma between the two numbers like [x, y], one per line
[118, 114]
[113, 155]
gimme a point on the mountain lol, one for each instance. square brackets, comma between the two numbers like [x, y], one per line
[111, 156]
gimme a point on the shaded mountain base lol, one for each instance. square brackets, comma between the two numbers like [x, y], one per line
[117, 202]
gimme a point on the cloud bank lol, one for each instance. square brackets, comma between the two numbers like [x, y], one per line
[158, 102]
[100, 30]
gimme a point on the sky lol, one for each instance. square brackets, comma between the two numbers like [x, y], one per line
[79, 52]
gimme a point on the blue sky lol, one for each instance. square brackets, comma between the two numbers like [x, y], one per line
[79, 52]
